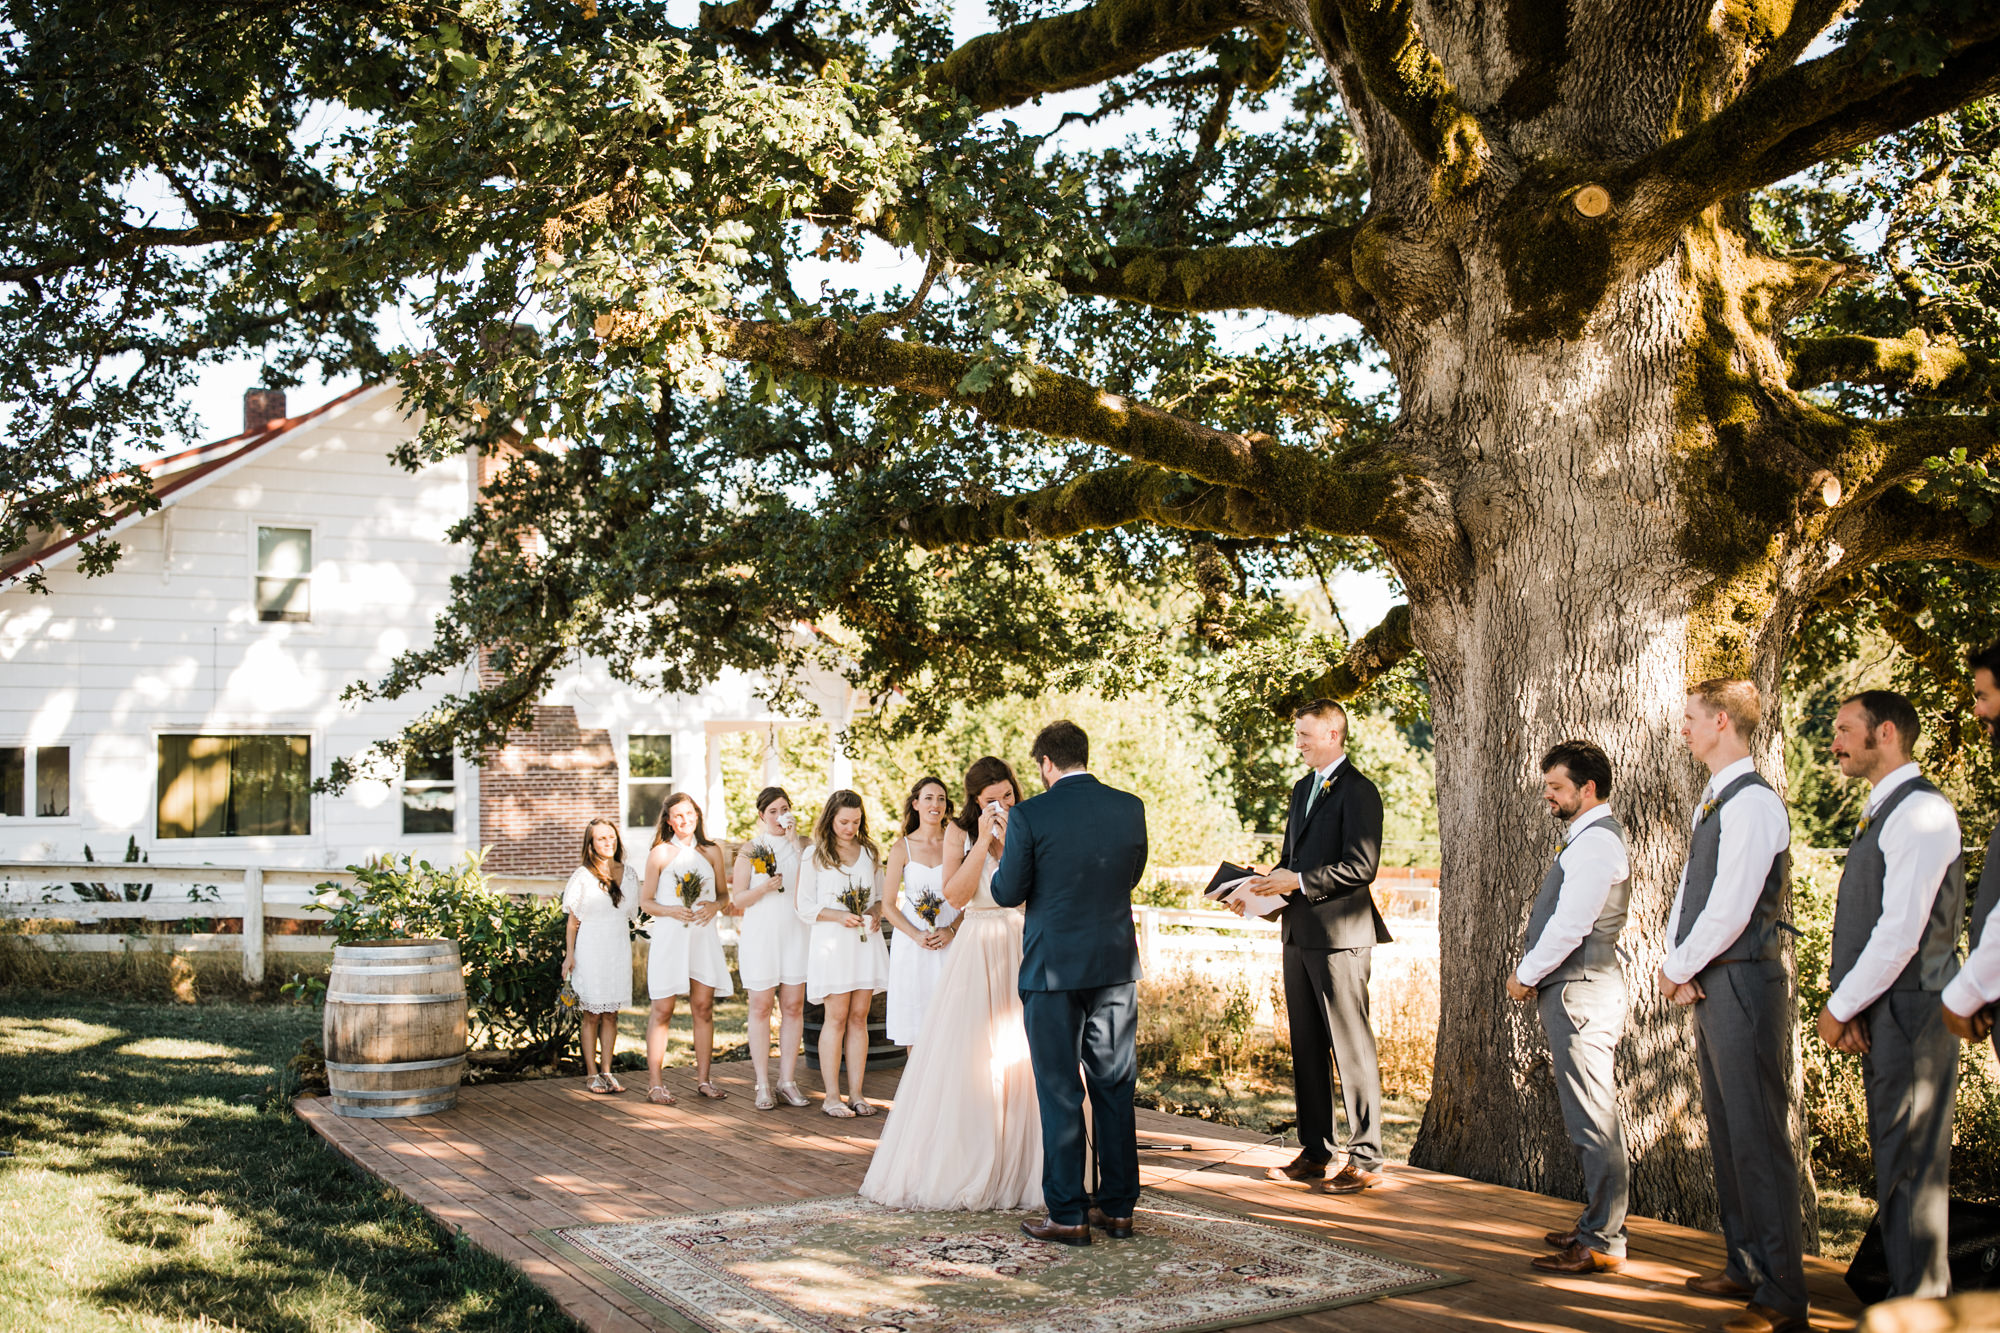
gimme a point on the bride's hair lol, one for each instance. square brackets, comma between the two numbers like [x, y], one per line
[826, 850]
[911, 821]
[984, 773]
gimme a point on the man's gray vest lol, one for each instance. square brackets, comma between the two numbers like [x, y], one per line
[1989, 887]
[1597, 957]
[1860, 905]
[1759, 940]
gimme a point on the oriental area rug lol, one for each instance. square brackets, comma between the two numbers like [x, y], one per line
[845, 1265]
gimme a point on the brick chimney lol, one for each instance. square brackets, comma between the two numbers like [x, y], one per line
[261, 407]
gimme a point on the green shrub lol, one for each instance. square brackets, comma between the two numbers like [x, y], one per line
[511, 947]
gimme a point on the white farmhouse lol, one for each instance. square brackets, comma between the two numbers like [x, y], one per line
[187, 700]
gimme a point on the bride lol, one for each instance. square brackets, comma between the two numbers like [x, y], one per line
[966, 1132]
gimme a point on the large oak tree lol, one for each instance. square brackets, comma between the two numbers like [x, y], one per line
[1661, 388]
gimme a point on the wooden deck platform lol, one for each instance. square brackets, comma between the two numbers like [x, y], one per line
[511, 1159]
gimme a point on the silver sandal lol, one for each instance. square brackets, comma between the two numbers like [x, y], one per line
[765, 1101]
[791, 1096]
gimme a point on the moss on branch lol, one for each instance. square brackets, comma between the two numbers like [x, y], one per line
[1915, 364]
[1406, 77]
[1108, 498]
[1876, 458]
[1367, 660]
[1313, 277]
[1081, 48]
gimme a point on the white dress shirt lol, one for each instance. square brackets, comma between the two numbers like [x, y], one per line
[1755, 829]
[1978, 982]
[1591, 865]
[1920, 840]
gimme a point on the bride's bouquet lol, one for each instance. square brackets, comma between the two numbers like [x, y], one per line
[689, 887]
[857, 900]
[928, 905]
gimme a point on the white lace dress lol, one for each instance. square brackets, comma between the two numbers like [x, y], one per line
[913, 969]
[841, 959]
[603, 972]
[772, 944]
[684, 953]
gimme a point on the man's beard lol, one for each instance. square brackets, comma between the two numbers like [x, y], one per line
[1565, 813]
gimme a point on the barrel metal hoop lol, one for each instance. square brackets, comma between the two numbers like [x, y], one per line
[390, 1112]
[392, 1094]
[399, 951]
[396, 1067]
[355, 997]
[394, 971]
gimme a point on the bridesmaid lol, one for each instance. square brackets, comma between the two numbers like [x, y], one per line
[601, 898]
[848, 963]
[914, 904]
[772, 944]
[686, 959]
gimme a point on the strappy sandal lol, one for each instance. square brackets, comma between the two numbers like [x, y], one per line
[611, 1082]
[598, 1085]
[861, 1106]
[710, 1091]
[791, 1096]
[765, 1101]
[838, 1109]
[659, 1096]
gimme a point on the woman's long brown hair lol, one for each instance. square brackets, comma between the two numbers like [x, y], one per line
[913, 821]
[826, 848]
[611, 874]
[984, 773]
[662, 832]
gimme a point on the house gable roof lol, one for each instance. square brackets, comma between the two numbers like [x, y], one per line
[174, 478]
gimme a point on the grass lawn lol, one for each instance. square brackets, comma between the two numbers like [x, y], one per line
[162, 1182]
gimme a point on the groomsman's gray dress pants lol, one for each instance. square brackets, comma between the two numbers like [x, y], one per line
[1740, 1035]
[1583, 1020]
[1326, 1004]
[1911, 1074]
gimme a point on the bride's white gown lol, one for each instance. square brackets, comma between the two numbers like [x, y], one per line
[966, 1131]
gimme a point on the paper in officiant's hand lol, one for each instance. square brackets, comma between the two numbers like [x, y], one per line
[1227, 888]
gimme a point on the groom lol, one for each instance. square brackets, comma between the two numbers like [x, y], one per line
[1073, 856]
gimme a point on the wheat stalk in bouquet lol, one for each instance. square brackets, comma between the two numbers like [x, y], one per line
[689, 886]
[764, 861]
[928, 905]
[857, 900]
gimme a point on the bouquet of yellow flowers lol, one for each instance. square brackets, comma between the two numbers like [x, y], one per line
[689, 887]
[764, 861]
[928, 907]
[857, 900]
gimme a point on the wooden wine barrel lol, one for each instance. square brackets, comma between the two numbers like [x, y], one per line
[882, 1053]
[395, 1028]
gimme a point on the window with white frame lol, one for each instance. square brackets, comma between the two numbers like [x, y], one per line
[284, 573]
[649, 778]
[235, 786]
[430, 794]
[34, 781]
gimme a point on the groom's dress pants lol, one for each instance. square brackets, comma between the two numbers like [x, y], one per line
[1094, 1029]
[1326, 1005]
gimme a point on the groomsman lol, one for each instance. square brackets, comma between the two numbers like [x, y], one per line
[1895, 946]
[1572, 970]
[1969, 999]
[1724, 959]
[1326, 867]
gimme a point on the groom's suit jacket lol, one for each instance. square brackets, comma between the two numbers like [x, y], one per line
[1335, 848]
[1074, 855]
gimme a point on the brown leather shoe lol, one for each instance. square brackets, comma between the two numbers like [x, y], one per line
[1578, 1258]
[1117, 1228]
[1350, 1179]
[1718, 1284]
[1763, 1319]
[1559, 1240]
[1047, 1228]
[1301, 1168]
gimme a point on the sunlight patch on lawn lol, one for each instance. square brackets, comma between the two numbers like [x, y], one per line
[51, 1035]
[175, 1048]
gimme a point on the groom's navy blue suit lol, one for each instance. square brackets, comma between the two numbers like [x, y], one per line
[1074, 855]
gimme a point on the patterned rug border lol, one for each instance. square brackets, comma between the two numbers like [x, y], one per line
[679, 1323]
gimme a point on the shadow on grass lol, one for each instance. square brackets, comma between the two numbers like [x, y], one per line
[178, 1185]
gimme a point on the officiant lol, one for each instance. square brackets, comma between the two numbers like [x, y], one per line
[1325, 873]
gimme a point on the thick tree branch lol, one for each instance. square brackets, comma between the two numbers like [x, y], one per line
[1313, 277]
[1899, 526]
[1367, 660]
[1108, 498]
[131, 240]
[1082, 48]
[1878, 457]
[1912, 364]
[1809, 113]
[1408, 80]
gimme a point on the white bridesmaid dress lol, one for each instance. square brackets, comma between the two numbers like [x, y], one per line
[772, 944]
[965, 1130]
[603, 973]
[913, 969]
[684, 953]
[840, 960]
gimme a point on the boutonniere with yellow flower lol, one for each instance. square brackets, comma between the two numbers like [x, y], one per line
[1709, 807]
[689, 887]
[1862, 827]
